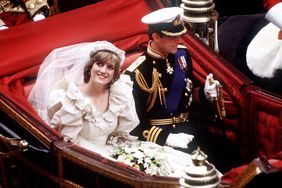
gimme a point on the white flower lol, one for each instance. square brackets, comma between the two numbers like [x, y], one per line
[148, 160]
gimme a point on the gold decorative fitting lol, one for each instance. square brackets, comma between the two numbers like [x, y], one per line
[200, 172]
[39, 1]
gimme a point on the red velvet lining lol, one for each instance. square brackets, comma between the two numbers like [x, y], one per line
[25, 46]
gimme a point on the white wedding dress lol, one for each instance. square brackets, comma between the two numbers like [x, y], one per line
[82, 124]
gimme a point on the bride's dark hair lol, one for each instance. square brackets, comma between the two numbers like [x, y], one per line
[103, 56]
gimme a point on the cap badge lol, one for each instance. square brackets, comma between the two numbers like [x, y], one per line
[177, 21]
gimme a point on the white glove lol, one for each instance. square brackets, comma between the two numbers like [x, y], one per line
[180, 140]
[210, 88]
[38, 16]
[2, 27]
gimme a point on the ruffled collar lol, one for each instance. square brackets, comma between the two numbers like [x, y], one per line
[120, 94]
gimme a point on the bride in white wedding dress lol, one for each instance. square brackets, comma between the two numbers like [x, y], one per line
[79, 92]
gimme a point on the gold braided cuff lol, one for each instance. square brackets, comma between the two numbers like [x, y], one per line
[152, 134]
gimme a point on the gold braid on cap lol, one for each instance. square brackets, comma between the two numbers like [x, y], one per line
[175, 23]
[156, 88]
[174, 34]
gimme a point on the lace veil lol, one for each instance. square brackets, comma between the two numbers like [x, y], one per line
[64, 63]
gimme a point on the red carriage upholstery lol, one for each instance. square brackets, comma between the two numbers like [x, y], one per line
[252, 121]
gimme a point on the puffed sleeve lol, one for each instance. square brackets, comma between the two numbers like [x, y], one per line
[65, 111]
[127, 119]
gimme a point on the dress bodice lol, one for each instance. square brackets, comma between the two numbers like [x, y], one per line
[76, 117]
[78, 120]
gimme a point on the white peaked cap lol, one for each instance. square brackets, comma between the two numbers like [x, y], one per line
[164, 15]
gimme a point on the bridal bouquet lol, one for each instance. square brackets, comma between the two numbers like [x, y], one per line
[143, 158]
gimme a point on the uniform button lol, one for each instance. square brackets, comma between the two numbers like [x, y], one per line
[171, 114]
[165, 89]
[186, 94]
[160, 75]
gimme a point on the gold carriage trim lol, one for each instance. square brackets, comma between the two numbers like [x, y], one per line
[174, 34]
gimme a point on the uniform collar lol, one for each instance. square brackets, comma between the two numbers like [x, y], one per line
[154, 53]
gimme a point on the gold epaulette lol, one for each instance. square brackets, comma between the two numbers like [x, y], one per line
[181, 46]
[136, 63]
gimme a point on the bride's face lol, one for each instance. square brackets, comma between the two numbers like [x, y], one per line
[102, 73]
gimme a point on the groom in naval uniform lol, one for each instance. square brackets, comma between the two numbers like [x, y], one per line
[164, 89]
